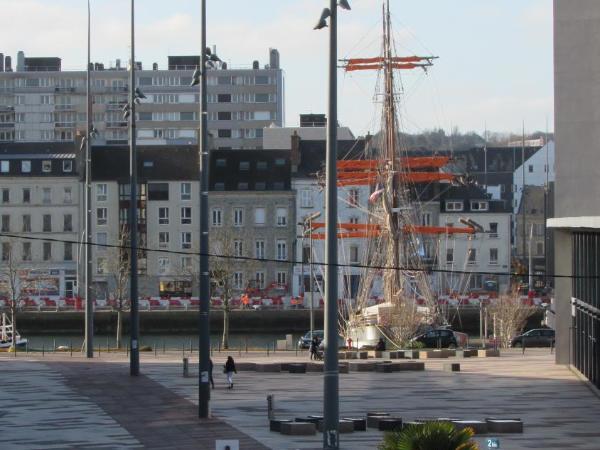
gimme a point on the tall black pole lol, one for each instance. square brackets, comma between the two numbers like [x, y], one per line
[89, 305]
[203, 323]
[134, 358]
[331, 369]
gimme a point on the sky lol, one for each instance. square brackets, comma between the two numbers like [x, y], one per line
[494, 69]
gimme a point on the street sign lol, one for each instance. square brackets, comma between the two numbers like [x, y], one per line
[493, 443]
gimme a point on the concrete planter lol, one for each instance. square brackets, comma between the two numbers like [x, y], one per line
[362, 366]
[360, 423]
[268, 367]
[298, 428]
[478, 426]
[489, 353]
[275, 424]
[432, 354]
[451, 367]
[504, 425]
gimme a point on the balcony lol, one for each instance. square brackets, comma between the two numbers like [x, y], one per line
[7, 125]
[64, 89]
[64, 124]
[64, 107]
[118, 88]
[120, 124]
[115, 106]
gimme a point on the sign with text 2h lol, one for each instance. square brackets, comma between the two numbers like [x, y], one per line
[493, 443]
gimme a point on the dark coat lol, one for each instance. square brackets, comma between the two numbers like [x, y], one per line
[230, 366]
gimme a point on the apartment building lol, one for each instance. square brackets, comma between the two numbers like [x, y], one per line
[41, 102]
[40, 198]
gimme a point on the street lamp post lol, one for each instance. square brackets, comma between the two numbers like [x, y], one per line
[134, 355]
[331, 369]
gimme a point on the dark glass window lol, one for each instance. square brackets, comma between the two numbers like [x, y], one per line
[158, 191]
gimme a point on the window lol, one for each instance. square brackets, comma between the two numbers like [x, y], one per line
[101, 216]
[472, 256]
[67, 195]
[5, 223]
[538, 229]
[238, 248]
[186, 263]
[46, 166]
[26, 223]
[261, 98]
[479, 206]
[238, 280]
[493, 230]
[238, 217]
[186, 215]
[242, 186]
[261, 165]
[426, 219]
[46, 196]
[539, 249]
[224, 98]
[281, 250]
[101, 266]
[68, 223]
[5, 251]
[454, 206]
[158, 191]
[47, 251]
[101, 240]
[353, 197]
[4, 166]
[67, 166]
[47, 223]
[163, 239]
[353, 220]
[261, 79]
[68, 252]
[163, 265]
[281, 277]
[493, 256]
[224, 115]
[281, 217]
[163, 216]
[353, 254]
[26, 256]
[221, 162]
[259, 249]
[5, 195]
[26, 195]
[306, 254]
[186, 191]
[216, 217]
[530, 168]
[449, 256]
[26, 166]
[259, 278]
[224, 133]
[186, 240]
[244, 166]
[101, 192]
[306, 200]
[259, 216]
[280, 162]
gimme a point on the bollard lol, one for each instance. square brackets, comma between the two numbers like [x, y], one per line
[99, 349]
[183, 350]
[155, 349]
[270, 406]
[523, 344]
[164, 348]
[246, 344]
[186, 368]
[71, 348]
[15, 347]
[107, 345]
[27, 347]
[267, 349]
[43, 349]
[191, 348]
[53, 345]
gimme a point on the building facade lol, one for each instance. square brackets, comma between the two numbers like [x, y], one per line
[40, 102]
[576, 221]
[40, 207]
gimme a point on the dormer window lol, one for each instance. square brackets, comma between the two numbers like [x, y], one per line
[479, 205]
[454, 205]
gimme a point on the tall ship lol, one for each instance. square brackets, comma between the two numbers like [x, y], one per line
[397, 291]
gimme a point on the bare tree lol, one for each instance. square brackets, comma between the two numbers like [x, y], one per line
[11, 284]
[401, 320]
[226, 245]
[117, 268]
[510, 316]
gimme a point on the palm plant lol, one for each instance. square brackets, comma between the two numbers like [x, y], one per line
[430, 436]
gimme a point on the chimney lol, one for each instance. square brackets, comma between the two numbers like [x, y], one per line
[20, 61]
[295, 152]
[7, 64]
[1, 62]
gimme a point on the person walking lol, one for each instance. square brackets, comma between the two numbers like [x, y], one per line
[314, 347]
[210, 372]
[230, 370]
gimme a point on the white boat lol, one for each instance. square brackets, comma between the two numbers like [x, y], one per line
[6, 334]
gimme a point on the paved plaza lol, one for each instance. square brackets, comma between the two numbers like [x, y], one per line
[60, 401]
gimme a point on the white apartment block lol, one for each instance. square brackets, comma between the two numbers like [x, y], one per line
[40, 102]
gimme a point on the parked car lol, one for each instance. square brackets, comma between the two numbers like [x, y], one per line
[539, 337]
[304, 341]
[440, 337]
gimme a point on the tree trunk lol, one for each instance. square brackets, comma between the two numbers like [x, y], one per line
[13, 320]
[119, 328]
[225, 340]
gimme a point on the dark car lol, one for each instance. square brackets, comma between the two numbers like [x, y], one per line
[443, 338]
[539, 337]
[304, 341]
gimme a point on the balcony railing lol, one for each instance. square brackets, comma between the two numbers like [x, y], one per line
[64, 124]
[119, 124]
[63, 107]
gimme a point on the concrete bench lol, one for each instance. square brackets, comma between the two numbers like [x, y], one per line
[469, 353]
[409, 354]
[362, 366]
[363, 355]
[297, 368]
[310, 419]
[245, 366]
[450, 353]
[360, 423]
[298, 428]
[504, 425]
[451, 367]
[268, 367]
[314, 367]
[390, 424]
[345, 426]
[341, 355]
[275, 424]
[478, 426]
[489, 353]
[373, 421]
[384, 367]
[408, 366]
[344, 367]
[351, 355]
[432, 354]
